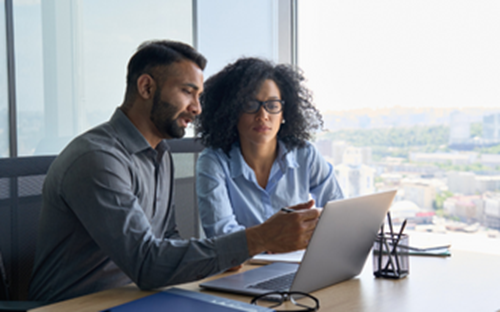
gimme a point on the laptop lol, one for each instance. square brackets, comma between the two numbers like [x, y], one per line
[337, 251]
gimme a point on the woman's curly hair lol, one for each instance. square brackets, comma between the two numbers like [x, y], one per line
[239, 82]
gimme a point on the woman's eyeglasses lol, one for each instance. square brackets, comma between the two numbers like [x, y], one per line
[271, 106]
[301, 301]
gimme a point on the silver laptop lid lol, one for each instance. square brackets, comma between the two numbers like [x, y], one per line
[337, 251]
[342, 240]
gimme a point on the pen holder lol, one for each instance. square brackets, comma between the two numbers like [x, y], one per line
[389, 260]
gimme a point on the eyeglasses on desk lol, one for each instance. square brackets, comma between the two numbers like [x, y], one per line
[302, 301]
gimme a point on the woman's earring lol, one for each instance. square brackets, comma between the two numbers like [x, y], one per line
[283, 121]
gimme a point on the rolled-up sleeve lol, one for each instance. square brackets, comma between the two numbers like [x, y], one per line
[109, 209]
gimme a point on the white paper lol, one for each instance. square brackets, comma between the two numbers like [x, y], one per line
[292, 257]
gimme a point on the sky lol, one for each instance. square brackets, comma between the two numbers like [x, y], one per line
[355, 54]
[381, 54]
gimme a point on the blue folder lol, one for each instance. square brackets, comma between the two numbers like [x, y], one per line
[176, 299]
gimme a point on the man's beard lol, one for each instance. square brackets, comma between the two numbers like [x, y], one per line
[162, 116]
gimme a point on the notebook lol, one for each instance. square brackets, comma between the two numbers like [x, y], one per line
[338, 250]
[177, 299]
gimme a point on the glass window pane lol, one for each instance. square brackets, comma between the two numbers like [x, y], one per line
[410, 93]
[29, 75]
[111, 33]
[71, 59]
[362, 54]
[4, 101]
[251, 29]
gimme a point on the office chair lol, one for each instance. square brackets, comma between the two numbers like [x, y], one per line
[21, 182]
[4, 285]
[185, 154]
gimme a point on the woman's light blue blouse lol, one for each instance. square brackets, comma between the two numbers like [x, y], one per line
[230, 199]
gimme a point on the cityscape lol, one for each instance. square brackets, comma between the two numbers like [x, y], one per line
[444, 163]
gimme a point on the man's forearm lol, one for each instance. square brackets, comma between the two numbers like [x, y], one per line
[255, 241]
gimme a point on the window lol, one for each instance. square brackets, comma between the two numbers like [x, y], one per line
[259, 28]
[250, 30]
[71, 56]
[71, 59]
[29, 74]
[414, 86]
[4, 100]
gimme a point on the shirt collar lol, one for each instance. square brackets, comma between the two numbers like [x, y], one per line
[238, 166]
[128, 134]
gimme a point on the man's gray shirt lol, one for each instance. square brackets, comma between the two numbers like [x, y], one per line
[108, 219]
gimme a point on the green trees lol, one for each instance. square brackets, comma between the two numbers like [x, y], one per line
[394, 137]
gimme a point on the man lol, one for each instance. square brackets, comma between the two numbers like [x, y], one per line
[107, 215]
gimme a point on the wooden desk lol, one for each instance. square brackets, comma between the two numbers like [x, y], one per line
[463, 282]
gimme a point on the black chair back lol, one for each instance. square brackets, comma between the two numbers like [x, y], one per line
[4, 284]
[21, 182]
[185, 154]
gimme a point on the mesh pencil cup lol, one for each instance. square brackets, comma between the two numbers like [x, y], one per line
[389, 259]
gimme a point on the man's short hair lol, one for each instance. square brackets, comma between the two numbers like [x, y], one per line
[152, 54]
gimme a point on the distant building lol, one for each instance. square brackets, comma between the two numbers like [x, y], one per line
[355, 180]
[390, 165]
[459, 128]
[335, 150]
[324, 147]
[443, 158]
[338, 149]
[402, 210]
[408, 210]
[491, 128]
[391, 178]
[366, 155]
[419, 191]
[462, 182]
[490, 159]
[468, 208]
[492, 210]
[487, 184]
[352, 156]
[354, 177]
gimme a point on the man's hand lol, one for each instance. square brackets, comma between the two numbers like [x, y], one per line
[235, 268]
[284, 231]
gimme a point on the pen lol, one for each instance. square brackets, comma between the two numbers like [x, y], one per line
[389, 219]
[423, 249]
[394, 250]
[395, 245]
[287, 210]
[400, 232]
[390, 259]
[380, 248]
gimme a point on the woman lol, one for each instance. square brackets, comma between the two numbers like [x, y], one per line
[256, 120]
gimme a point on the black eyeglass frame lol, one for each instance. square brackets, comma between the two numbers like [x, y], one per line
[288, 295]
[264, 103]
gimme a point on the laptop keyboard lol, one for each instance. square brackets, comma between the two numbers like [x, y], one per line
[278, 283]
